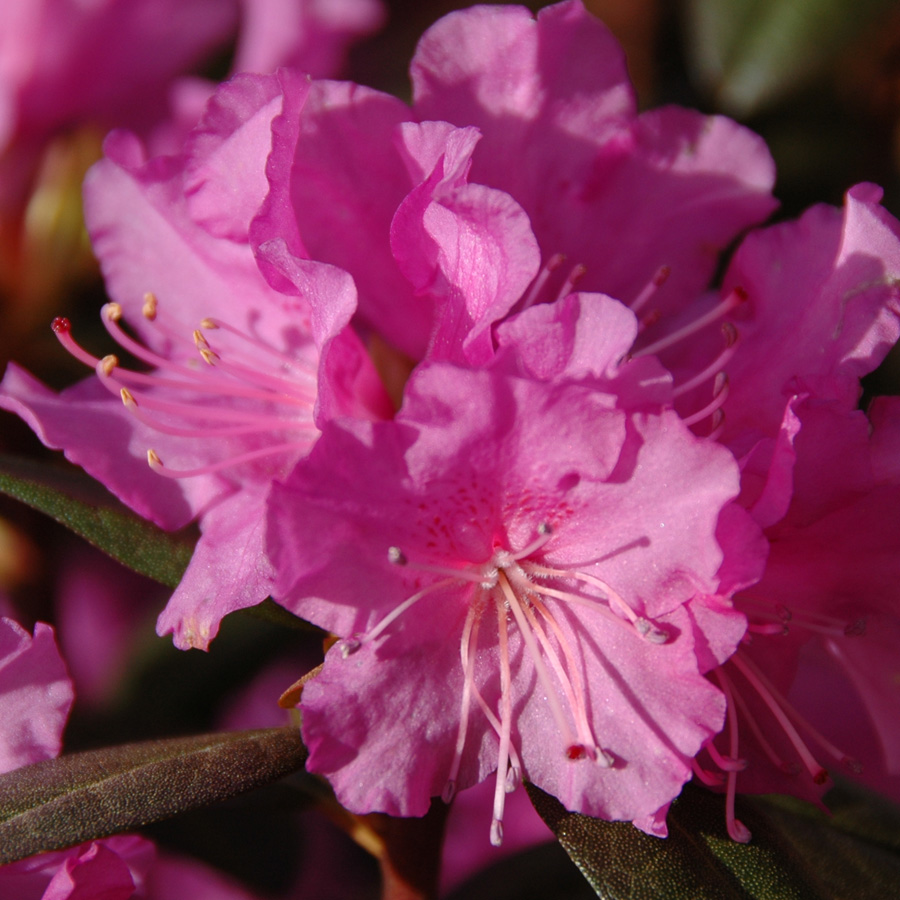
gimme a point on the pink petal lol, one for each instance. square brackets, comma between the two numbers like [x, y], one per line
[35, 695]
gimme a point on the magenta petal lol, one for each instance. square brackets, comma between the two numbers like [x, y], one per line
[229, 570]
[468, 247]
[311, 35]
[485, 486]
[336, 181]
[225, 176]
[822, 311]
[98, 873]
[71, 421]
[620, 195]
[521, 79]
[35, 695]
[138, 217]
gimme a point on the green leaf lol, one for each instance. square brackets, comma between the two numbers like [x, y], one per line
[87, 508]
[62, 802]
[752, 52]
[796, 851]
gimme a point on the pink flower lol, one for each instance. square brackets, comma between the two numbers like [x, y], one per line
[35, 693]
[536, 566]
[112, 62]
[522, 146]
[224, 412]
[35, 697]
[829, 592]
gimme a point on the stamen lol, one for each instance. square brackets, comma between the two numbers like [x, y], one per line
[710, 779]
[575, 275]
[653, 285]
[505, 726]
[720, 395]
[467, 647]
[766, 693]
[733, 300]
[540, 281]
[398, 558]
[737, 830]
[148, 310]
[716, 366]
[542, 673]
[157, 464]
[545, 532]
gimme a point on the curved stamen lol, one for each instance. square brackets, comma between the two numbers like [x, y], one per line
[160, 468]
[733, 300]
[716, 366]
[546, 681]
[214, 324]
[467, 647]
[540, 281]
[720, 395]
[737, 830]
[398, 611]
[505, 726]
[653, 285]
[758, 682]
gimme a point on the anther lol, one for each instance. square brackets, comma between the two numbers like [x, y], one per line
[575, 752]
[200, 341]
[647, 630]
[61, 325]
[350, 646]
[127, 398]
[108, 363]
[513, 778]
[209, 356]
[112, 312]
[496, 832]
[154, 461]
[148, 310]
[209, 324]
[396, 556]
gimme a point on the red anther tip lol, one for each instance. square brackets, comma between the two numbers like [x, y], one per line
[742, 294]
[61, 325]
[576, 751]
[820, 777]
[662, 274]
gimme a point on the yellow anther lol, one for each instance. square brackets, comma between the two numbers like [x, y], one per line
[127, 397]
[200, 341]
[149, 308]
[153, 460]
[208, 323]
[113, 312]
[209, 356]
[108, 363]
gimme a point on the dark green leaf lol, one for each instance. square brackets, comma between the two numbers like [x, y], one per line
[751, 52]
[61, 802]
[796, 851]
[87, 508]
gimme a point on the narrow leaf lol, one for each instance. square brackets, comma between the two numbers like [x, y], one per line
[796, 852]
[62, 802]
[87, 508]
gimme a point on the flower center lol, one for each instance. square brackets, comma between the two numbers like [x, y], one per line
[521, 591]
[246, 396]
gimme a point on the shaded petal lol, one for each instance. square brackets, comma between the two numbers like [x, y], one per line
[229, 570]
[823, 308]
[35, 695]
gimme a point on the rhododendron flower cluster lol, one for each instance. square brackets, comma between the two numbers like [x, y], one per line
[615, 514]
